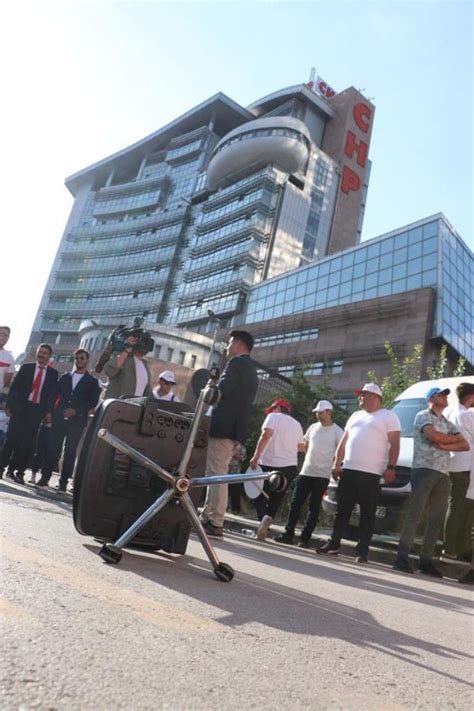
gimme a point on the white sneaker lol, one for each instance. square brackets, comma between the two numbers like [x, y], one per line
[32, 479]
[263, 529]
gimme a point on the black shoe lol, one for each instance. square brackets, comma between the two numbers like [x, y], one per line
[61, 488]
[328, 548]
[10, 474]
[427, 568]
[403, 565]
[42, 482]
[19, 478]
[362, 559]
[303, 543]
[285, 538]
[467, 579]
[213, 531]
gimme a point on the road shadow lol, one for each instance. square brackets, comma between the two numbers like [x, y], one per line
[32, 495]
[286, 609]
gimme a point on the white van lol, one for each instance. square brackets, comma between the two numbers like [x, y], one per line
[389, 515]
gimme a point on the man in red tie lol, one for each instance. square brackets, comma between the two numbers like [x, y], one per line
[30, 398]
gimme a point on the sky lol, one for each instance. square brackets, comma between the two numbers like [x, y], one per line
[82, 80]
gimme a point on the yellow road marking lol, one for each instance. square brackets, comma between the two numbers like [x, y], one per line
[172, 618]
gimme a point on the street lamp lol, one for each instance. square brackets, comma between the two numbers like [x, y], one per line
[215, 318]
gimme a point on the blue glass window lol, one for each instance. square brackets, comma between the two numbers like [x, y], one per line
[430, 229]
[429, 278]
[414, 250]
[414, 282]
[372, 265]
[370, 280]
[400, 270]
[400, 255]
[386, 260]
[359, 270]
[430, 245]
[414, 266]
[385, 276]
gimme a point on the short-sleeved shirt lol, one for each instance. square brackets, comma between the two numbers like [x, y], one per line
[282, 449]
[368, 444]
[6, 365]
[322, 444]
[425, 454]
[463, 419]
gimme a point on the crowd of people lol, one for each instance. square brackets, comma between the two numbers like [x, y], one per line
[45, 415]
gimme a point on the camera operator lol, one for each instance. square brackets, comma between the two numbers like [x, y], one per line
[128, 372]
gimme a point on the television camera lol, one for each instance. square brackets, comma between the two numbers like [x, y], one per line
[117, 342]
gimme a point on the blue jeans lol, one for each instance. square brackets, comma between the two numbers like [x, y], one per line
[430, 491]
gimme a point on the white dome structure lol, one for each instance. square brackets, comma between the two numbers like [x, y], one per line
[281, 140]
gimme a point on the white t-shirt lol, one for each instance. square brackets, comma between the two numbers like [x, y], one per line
[322, 444]
[367, 445]
[6, 365]
[141, 375]
[76, 377]
[282, 449]
[464, 421]
[171, 396]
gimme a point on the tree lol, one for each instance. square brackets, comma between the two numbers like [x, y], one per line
[404, 373]
[408, 371]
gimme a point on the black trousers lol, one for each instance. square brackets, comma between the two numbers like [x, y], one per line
[43, 443]
[67, 434]
[311, 486]
[269, 506]
[20, 442]
[356, 487]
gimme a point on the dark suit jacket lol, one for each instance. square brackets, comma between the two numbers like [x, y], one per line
[238, 385]
[83, 398]
[20, 389]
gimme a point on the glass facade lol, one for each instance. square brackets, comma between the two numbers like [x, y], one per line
[425, 254]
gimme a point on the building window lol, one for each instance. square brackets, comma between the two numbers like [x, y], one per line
[157, 351]
[170, 355]
[193, 361]
[182, 356]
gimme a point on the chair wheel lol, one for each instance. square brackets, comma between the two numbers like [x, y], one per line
[110, 553]
[224, 572]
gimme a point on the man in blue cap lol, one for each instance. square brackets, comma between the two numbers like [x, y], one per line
[434, 438]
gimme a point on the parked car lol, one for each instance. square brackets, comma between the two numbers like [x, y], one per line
[390, 509]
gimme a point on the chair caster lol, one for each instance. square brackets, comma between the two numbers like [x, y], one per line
[224, 572]
[110, 553]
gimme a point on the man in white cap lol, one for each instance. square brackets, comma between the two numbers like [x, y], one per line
[320, 441]
[369, 450]
[164, 389]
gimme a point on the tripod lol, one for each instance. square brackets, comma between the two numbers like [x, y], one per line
[179, 485]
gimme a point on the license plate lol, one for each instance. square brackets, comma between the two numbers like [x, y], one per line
[380, 511]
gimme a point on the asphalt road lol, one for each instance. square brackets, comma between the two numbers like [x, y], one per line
[292, 631]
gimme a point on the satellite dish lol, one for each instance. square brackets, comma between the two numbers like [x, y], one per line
[20, 359]
[199, 380]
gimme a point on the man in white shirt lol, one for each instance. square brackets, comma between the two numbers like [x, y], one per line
[278, 447]
[321, 441]
[457, 526]
[6, 359]
[164, 389]
[366, 454]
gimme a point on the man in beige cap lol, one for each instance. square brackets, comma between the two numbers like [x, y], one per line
[320, 441]
[164, 389]
[369, 450]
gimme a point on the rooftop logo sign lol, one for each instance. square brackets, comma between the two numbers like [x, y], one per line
[319, 86]
[355, 148]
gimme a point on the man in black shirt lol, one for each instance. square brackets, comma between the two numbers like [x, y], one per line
[230, 418]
